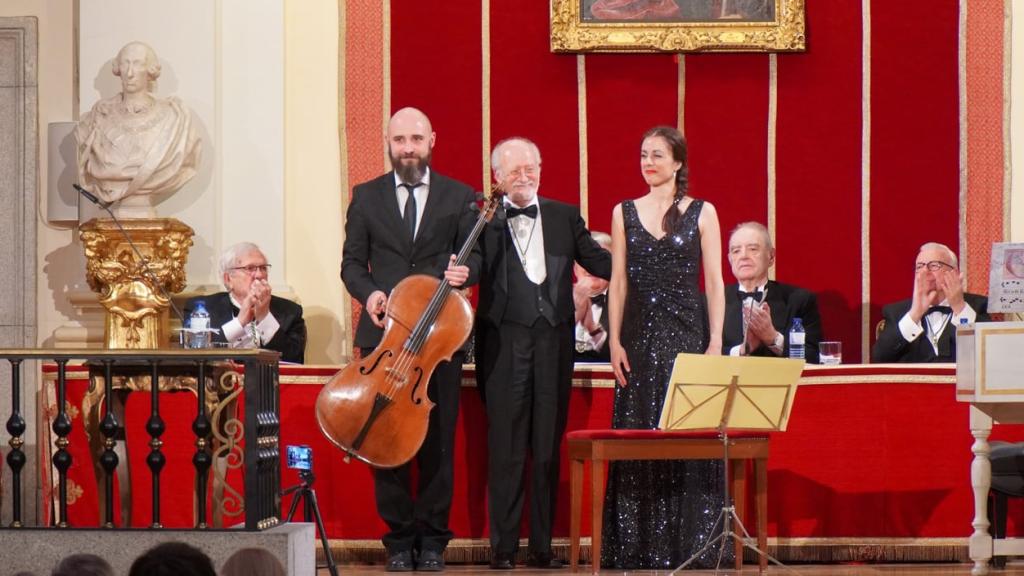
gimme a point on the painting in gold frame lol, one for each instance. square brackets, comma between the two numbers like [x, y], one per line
[677, 26]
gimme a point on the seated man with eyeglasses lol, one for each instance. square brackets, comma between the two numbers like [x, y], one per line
[247, 315]
[923, 328]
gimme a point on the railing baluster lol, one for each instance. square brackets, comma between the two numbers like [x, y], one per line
[202, 460]
[62, 428]
[155, 427]
[16, 427]
[109, 459]
[274, 412]
[262, 431]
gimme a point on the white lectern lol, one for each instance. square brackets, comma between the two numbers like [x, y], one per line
[989, 375]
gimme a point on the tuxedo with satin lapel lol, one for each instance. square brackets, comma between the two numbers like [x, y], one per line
[377, 255]
[893, 347]
[786, 302]
[525, 371]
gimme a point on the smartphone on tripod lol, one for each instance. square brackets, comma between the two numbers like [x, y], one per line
[301, 458]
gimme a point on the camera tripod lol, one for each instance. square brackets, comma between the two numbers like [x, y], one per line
[310, 510]
[726, 519]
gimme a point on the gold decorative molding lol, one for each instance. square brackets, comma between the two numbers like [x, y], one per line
[132, 289]
[570, 32]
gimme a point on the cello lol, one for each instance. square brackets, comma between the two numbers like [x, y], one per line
[376, 408]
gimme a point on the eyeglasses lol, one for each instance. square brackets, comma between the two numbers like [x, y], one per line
[252, 270]
[529, 171]
[933, 266]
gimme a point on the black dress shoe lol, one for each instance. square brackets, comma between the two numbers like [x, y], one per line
[503, 561]
[400, 561]
[546, 561]
[430, 561]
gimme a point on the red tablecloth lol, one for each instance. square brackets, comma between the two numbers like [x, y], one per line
[871, 451]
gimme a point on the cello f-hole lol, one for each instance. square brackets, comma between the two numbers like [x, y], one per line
[416, 386]
[364, 370]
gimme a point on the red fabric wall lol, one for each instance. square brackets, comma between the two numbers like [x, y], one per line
[438, 63]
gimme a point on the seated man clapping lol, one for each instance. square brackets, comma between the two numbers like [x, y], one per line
[247, 315]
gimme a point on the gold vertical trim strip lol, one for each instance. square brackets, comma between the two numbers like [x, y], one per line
[773, 109]
[346, 318]
[581, 110]
[485, 90]
[964, 197]
[1007, 96]
[385, 78]
[681, 95]
[865, 183]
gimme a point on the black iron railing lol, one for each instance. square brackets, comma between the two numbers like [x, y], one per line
[262, 503]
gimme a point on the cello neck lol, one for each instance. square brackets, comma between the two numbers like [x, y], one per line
[422, 329]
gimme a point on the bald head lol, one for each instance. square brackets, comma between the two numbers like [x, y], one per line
[410, 142]
[409, 116]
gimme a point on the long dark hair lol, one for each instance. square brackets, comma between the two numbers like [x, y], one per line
[677, 144]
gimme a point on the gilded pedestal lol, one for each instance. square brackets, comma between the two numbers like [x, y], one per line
[136, 307]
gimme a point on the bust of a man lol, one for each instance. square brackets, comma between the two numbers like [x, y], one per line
[134, 145]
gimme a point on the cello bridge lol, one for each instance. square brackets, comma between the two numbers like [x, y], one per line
[397, 376]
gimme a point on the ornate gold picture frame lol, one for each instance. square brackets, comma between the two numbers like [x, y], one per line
[677, 26]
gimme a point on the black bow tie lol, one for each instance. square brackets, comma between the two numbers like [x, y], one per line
[530, 211]
[941, 309]
[599, 300]
[756, 295]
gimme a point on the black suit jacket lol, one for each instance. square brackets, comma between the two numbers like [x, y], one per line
[378, 254]
[892, 347]
[290, 338]
[566, 240]
[786, 302]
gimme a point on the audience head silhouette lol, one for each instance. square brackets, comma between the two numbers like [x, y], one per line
[83, 565]
[172, 559]
[252, 562]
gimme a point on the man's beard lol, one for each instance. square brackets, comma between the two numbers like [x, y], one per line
[410, 173]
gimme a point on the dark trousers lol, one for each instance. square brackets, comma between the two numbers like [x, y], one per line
[529, 376]
[420, 521]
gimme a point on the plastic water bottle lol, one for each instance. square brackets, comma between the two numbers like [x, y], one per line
[796, 339]
[199, 324]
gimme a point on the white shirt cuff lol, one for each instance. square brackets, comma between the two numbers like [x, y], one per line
[735, 350]
[268, 327]
[909, 329]
[233, 332]
[967, 313]
[237, 337]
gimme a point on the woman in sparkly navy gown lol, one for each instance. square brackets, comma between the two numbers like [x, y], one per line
[658, 513]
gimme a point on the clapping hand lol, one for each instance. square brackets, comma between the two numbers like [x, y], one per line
[759, 326]
[256, 304]
[924, 295]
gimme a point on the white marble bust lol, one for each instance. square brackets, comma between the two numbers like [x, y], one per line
[134, 145]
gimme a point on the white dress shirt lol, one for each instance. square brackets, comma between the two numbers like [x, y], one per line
[747, 302]
[587, 342]
[528, 241]
[402, 194]
[237, 336]
[935, 324]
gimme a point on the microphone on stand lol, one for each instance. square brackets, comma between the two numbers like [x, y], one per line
[145, 263]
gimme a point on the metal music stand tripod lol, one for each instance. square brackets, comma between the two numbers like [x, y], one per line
[310, 510]
[722, 393]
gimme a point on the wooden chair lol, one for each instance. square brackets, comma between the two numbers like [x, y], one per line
[601, 446]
